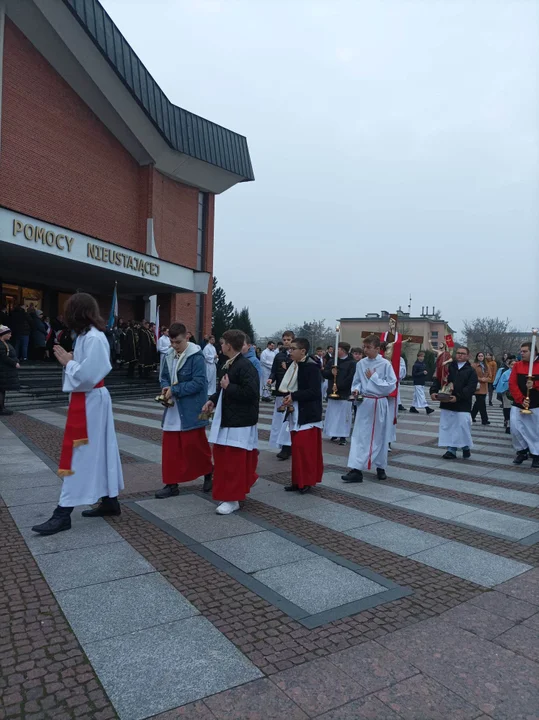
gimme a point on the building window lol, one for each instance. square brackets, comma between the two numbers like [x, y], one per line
[434, 334]
[201, 260]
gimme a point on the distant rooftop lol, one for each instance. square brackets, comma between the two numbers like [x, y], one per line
[183, 131]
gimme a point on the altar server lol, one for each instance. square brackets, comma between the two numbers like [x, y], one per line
[525, 426]
[338, 420]
[211, 359]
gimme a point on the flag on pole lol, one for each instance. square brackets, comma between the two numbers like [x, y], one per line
[113, 315]
[157, 327]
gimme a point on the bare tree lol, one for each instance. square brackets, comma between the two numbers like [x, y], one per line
[316, 332]
[491, 335]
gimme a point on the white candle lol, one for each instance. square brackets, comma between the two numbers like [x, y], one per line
[532, 353]
[336, 353]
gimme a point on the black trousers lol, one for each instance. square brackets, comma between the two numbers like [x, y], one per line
[480, 406]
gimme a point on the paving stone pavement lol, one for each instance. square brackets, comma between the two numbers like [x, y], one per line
[162, 612]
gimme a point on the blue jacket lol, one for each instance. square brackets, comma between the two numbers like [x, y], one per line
[251, 355]
[190, 392]
[502, 384]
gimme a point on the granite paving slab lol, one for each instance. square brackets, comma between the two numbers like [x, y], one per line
[422, 697]
[257, 700]
[31, 495]
[23, 465]
[14, 481]
[469, 563]
[262, 487]
[400, 539]
[513, 527]
[179, 506]
[368, 489]
[136, 420]
[481, 622]
[85, 532]
[468, 469]
[29, 515]
[436, 507]
[369, 708]
[160, 668]
[97, 612]
[525, 587]
[338, 517]
[372, 665]
[318, 584]
[214, 527]
[522, 639]
[89, 565]
[499, 682]
[318, 686]
[258, 551]
[504, 605]
[290, 502]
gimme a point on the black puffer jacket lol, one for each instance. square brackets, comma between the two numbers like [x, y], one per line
[241, 398]
[464, 386]
[9, 377]
[19, 322]
[309, 393]
[346, 370]
[278, 371]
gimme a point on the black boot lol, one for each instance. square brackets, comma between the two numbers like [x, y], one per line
[508, 430]
[381, 474]
[342, 442]
[520, 457]
[208, 483]
[167, 491]
[429, 411]
[353, 476]
[414, 411]
[60, 520]
[291, 488]
[286, 453]
[107, 506]
[402, 408]
[535, 461]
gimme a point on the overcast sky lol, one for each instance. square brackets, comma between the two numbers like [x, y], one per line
[395, 145]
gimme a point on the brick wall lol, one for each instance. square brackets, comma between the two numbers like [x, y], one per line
[58, 162]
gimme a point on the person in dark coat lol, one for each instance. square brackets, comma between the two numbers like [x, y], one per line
[234, 432]
[20, 328]
[147, 350]
[129, 349]
[419, 375]
[38, 335]
[281, 363]
[9, 365]
[338, 421]
[303, 402]
[455, 410]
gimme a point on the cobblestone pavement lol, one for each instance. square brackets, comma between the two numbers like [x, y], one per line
[416, 598]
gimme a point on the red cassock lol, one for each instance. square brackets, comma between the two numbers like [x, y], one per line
[186, 455]
[234, 472]
[307, 458]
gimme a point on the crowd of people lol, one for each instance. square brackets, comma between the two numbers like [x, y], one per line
[361, 386]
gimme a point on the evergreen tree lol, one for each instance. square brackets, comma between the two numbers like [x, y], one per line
[242, 321]
[222, 311]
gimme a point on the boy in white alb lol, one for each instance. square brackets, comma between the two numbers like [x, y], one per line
[210, 358]
[266, 363]
[374, 381]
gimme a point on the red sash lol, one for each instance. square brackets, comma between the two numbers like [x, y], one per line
[76, 431]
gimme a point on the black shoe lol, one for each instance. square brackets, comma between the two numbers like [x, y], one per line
[474, 420]
[490, 404]
[6, 412]
[535, 461]
[449, 456]
[291, 488]
[334, 439]
[485, 423]
[353, 476]
[381, 474]
[286, 452]
[60, 520]
[107, 506]
[520, 457]
[208, 483]
[429, 411]
[414, 411]
[466, 454]
[342, 442]
[508, 431]
[167, 491]
[402, 408]
[304, 489]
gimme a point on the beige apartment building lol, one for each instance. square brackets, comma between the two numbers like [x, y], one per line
[423, 329]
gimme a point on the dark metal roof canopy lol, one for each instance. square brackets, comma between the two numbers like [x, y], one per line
[183, 131]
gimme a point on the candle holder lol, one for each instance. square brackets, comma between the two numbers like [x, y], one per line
[163, 401]
[335, 394]
[525, 411]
